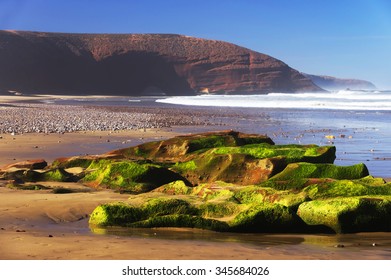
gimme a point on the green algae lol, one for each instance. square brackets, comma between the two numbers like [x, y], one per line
[175, 188]
[185, 166]
[83, 162]
[57, 175]
[266, 217]
[128, 176]
[347, 188]
[349, 214]
[180, 220]
[309, 170]
[292, 153]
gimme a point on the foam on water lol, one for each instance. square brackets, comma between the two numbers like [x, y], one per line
[341, 100]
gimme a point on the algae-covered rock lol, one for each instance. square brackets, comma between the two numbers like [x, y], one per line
[231, 168]
[22, 175]
[154, 213]
[178, 147]
[229, 207]
[349, 214]
[226, 181]
[248, 164]
[301, 170]
[291, 153]
[128, 176]
[174, 188]
[367, 186]
[267, 217]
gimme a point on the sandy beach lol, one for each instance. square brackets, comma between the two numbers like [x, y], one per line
[44, 225]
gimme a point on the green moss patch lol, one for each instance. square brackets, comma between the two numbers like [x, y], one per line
[301, 170]
[128, 176]
[353, 214]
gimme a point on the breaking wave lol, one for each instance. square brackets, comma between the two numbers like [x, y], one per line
[341, 100]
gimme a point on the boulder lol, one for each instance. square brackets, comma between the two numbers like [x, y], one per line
[348, 214]
[178, 148]
[128, 176]
[302, 170]
[27, 164]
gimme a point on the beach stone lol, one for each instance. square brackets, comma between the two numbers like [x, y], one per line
[348, 214]
[27, 164]
[301, 170]
[129, 176]
[179, 147]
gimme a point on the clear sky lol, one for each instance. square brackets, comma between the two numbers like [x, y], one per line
[343, 38]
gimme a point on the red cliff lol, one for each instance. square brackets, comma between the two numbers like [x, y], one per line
[132, 64]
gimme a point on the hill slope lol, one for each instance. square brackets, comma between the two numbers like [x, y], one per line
[332, 83]
[133, 64]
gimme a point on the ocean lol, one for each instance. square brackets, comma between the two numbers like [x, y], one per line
[356, 122]
[341, 100]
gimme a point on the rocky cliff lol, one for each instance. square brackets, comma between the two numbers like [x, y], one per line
[332, 83]
[133, 64]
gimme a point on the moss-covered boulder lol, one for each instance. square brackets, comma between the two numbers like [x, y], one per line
[248, 164]
[367, 186]
[22, 175]
[179, 147]
[128, 176]
[300, 170]
[358, 205]
[153, 213]
[231, 168]
[349, 214]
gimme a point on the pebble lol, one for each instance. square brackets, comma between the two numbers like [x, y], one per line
[339, 246]
[51, 118]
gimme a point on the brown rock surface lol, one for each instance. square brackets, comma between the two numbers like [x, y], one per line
[34, 62]
[27, 164]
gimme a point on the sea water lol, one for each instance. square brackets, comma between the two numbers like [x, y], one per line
[356, 122]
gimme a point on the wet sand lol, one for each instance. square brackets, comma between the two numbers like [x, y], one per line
[20, 147]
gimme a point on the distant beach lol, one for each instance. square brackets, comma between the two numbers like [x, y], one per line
[36, 225]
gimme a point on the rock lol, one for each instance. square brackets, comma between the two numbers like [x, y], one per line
[171, 64]
[302, 170]
[153, 213]
[178, 148]
[349, 214]
[27, 164]
[231, 168]
[226, 181]
[129, 176]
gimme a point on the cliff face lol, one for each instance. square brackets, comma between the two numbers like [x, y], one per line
[332, 83]
[133, 64]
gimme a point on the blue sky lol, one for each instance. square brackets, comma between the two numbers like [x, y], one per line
[343, 38]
